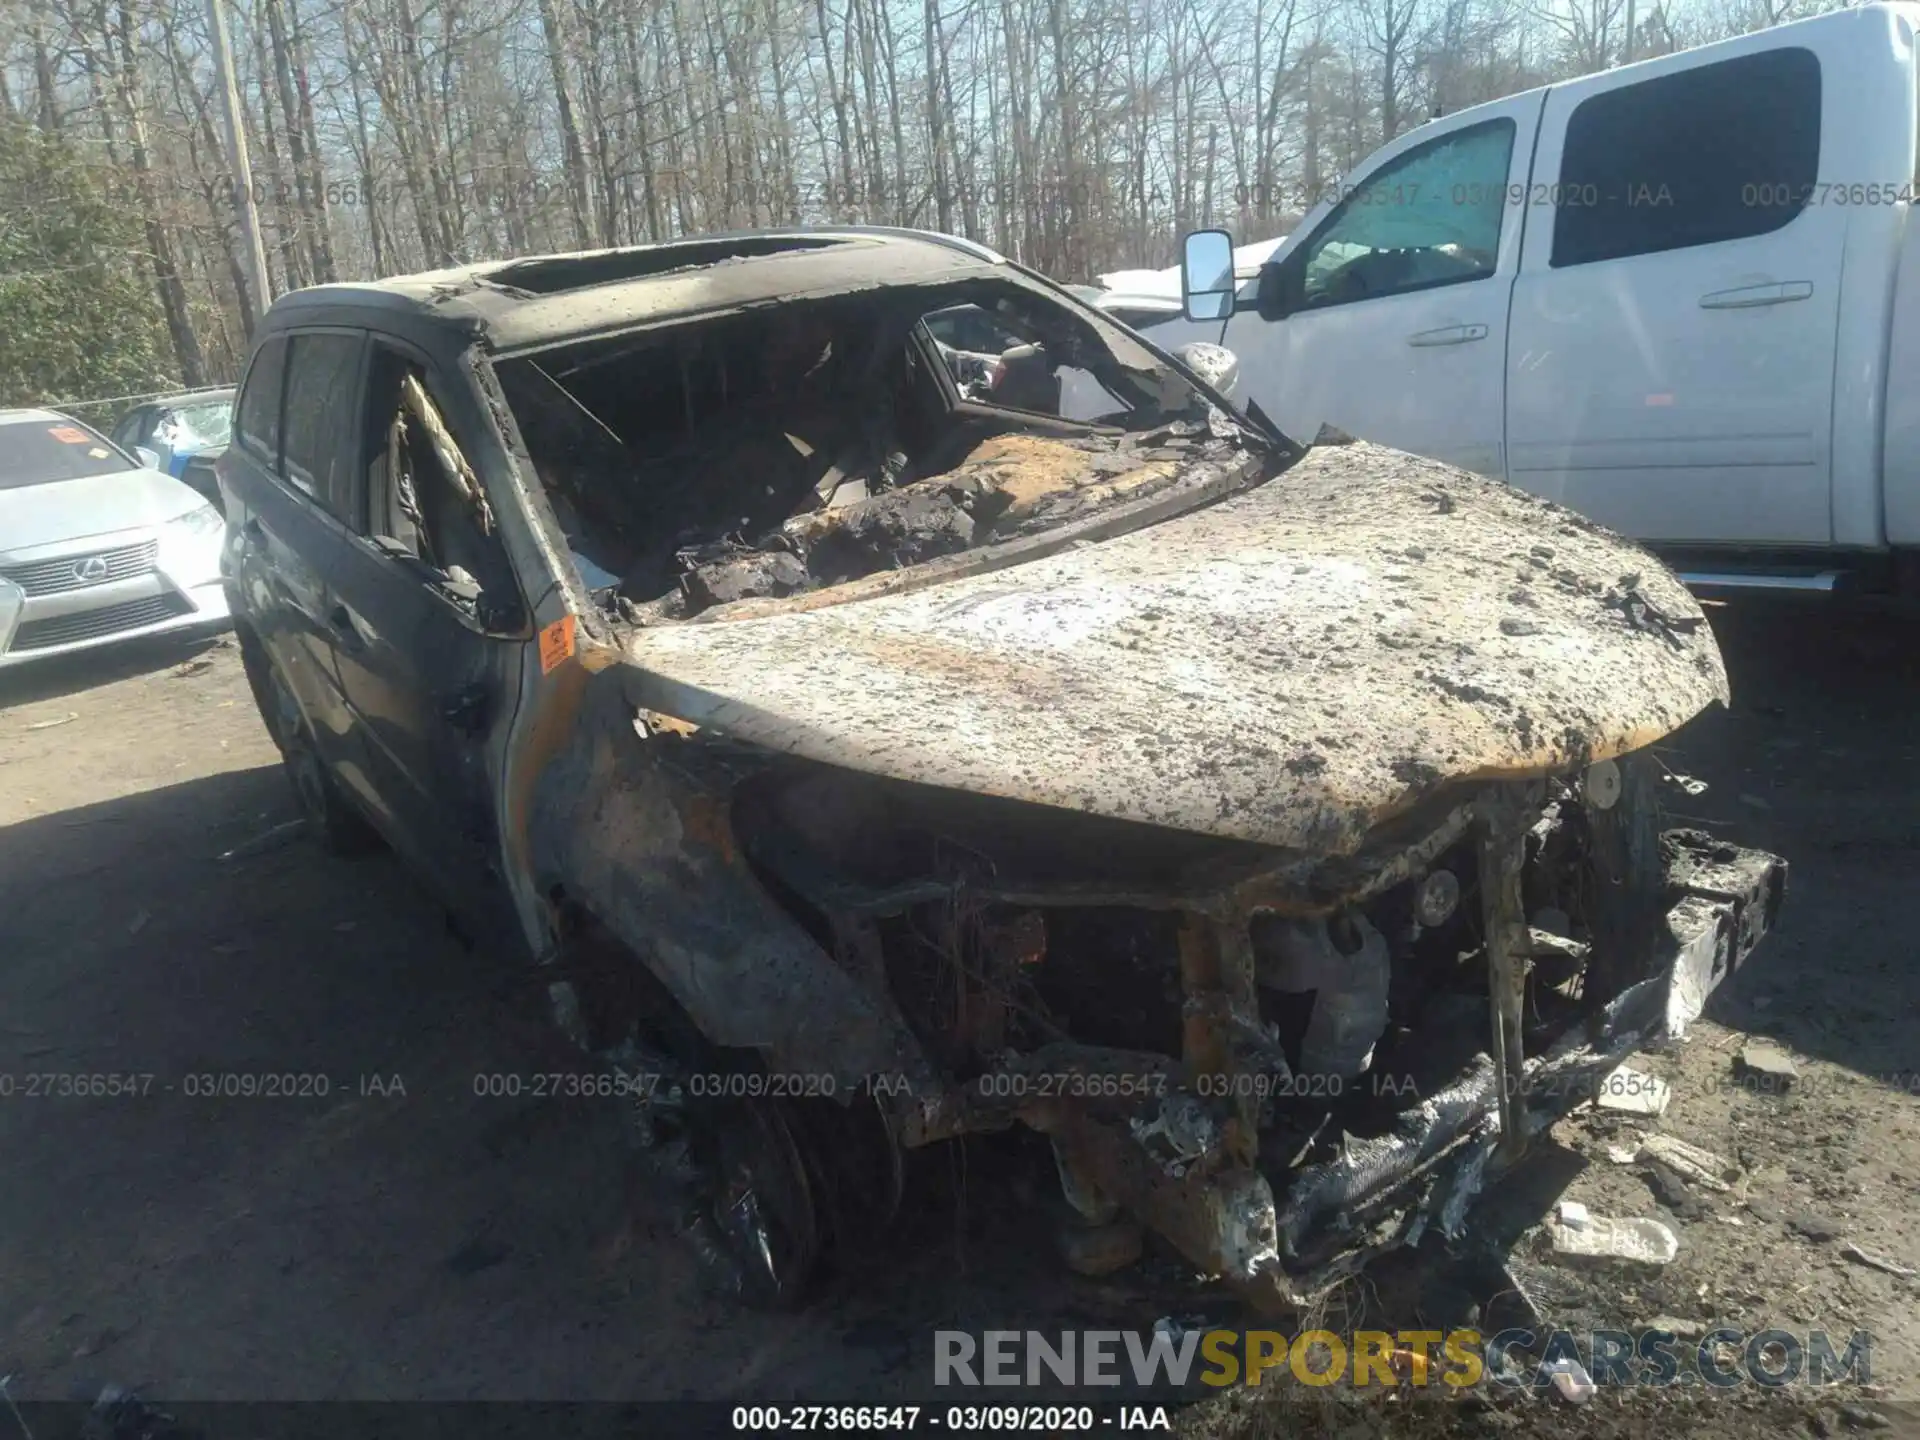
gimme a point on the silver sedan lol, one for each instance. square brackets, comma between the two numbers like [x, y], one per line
[95, 547]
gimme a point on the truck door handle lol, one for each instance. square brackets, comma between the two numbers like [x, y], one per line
[1448, 335]
[1747, 297]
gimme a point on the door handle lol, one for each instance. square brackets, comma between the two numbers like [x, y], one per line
[341, 621]
[1748, 297]
[1448, 335]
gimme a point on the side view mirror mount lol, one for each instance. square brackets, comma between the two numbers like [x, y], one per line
[1280, 290]
[1206, 275]
[147, 456]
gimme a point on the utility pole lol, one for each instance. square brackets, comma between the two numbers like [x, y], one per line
[253, 255]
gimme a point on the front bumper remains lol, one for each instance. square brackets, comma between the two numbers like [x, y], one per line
[1193, 1172]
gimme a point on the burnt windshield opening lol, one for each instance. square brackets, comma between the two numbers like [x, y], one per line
[807, 443]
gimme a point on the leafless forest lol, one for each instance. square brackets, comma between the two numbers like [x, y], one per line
[397, 135]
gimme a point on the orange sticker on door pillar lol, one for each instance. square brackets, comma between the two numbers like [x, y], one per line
[556, 644]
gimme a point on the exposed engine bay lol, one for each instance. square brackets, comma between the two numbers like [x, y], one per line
[784, 449]
[1281, 1063]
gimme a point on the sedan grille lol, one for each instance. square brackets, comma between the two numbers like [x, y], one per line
[97, 624]
[79, 572]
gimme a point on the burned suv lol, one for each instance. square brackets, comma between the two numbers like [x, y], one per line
[889, 701]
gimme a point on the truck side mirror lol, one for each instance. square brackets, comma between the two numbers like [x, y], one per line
[1206, 275]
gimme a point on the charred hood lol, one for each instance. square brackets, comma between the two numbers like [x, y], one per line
[1291, 666]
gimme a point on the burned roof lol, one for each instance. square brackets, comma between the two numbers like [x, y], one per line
[526, 303]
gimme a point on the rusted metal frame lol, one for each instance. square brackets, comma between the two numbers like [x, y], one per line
[1283, 890]
[1043, 1086]
[1221, 1220]
[1284, 886]
[1220, 1010]
[1504, 815]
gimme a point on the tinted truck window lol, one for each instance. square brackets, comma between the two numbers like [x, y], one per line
[1718, 152]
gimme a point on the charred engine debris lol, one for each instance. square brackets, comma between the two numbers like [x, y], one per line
[1280, 1063]
[799, 445]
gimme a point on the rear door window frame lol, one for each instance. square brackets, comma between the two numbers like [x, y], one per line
[353, 440]
[244, 438]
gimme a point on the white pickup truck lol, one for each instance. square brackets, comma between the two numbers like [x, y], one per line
[1682, 296]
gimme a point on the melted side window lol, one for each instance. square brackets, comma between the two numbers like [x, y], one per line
[426, 502]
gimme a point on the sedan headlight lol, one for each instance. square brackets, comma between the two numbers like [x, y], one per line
[204, 521]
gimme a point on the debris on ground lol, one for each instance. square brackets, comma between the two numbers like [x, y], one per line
[1634, 1092]
[65, 719]
[193, 666]
[1687, 784]
[284, 833]
[1692, 1163]
[1766, 1067]
[1578, 1233]
[1678, 1328]
[1671, 1191]
[1812, 1225]
[119, 1414]
[95, 1343]
[1864, 1256]
[1861, 1418]
[1571, 1380]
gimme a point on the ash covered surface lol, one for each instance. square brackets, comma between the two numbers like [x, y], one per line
[1290, 666]
[1010, 485]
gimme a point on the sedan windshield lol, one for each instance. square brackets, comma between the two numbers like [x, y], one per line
[38, 452]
